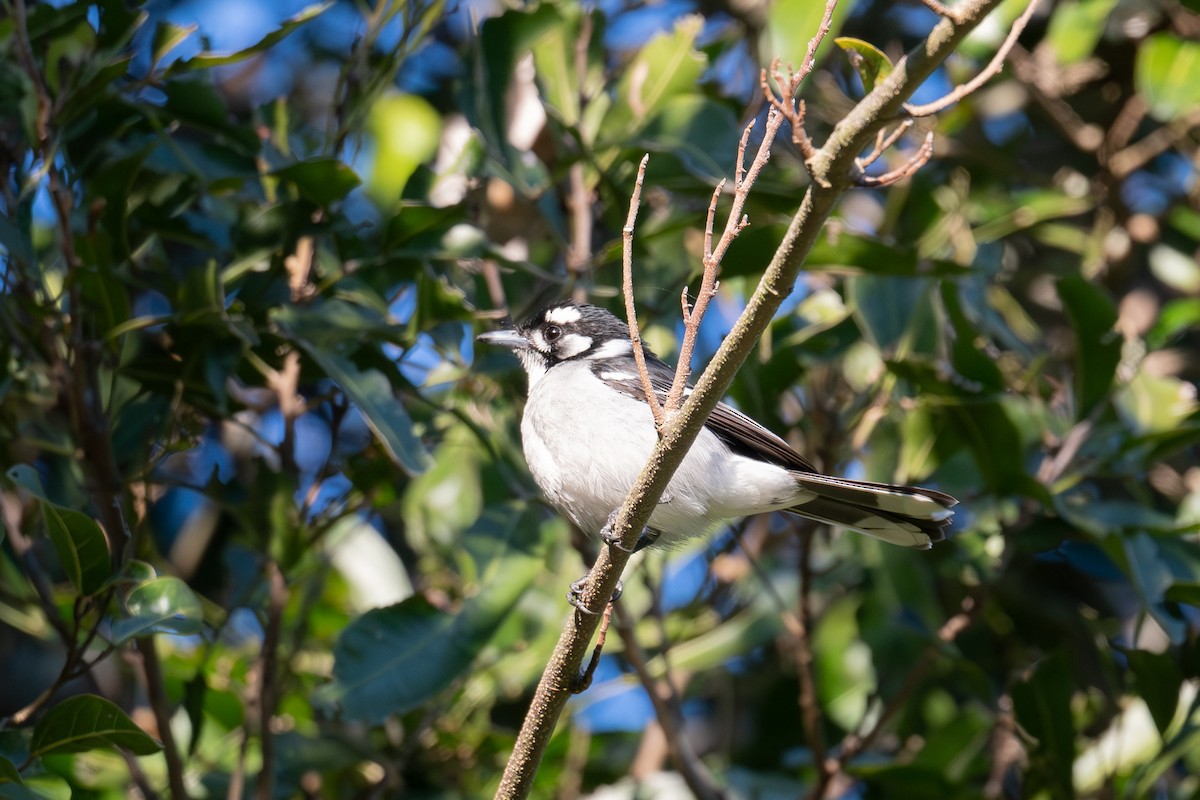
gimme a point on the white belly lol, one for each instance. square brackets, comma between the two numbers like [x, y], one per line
[585, 455]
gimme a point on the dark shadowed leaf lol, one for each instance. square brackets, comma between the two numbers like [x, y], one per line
[8, 772]
[1043, 709]
[371, 393]
[81, 547]
[394, 659]
[1098, 345]
[87, 722]
[1158, 680]
[321, 180]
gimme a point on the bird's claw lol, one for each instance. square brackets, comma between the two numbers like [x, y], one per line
[575, 595]
[647, 537]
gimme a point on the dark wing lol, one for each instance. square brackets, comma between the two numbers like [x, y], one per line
[740, 433]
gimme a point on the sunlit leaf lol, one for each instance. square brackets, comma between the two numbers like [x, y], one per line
[168, 36]
[1076, 27]
[161, 605]
[209, 60]
[1165, 74]
[406, 129]
[868, 60]
[87, 722]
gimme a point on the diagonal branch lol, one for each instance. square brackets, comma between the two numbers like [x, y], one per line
[832, 168]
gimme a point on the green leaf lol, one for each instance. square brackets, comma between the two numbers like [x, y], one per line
[1158, 682]
[8, 772]
[1043, 708]
[868, 60]
[893, 313]
[845, 677]
[790, 25]
[168, 36]
[698, 131]
[669, 65]
[88, 722]
[209, 60]
[406, 130]
[81, 546]
[1076, 28]
[1097, 343]
[162, 605]
[1165, 74]
[321, 180]
[370, 391]
[394, 659]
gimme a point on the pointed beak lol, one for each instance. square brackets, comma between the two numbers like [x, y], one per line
[507, 338]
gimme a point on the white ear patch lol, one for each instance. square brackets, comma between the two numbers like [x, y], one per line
[613, 348]
[563, 315]
[571, 345]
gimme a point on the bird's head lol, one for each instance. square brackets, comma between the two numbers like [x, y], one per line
[565, 331]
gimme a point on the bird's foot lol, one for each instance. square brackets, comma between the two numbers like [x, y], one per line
[575, 595]
[648, 536]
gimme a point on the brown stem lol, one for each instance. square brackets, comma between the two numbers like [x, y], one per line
[277, 597]
[635, 334]
[157, 696]
[669, 713]
[833, 169]
[993, 67]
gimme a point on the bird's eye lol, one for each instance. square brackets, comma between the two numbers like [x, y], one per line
[551, 332]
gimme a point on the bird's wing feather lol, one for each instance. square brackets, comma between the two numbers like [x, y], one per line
[740, 433]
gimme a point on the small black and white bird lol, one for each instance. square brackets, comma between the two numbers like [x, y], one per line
[588, 432]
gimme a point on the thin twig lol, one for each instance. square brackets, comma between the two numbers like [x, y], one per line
[668, 711]
[735, 223]
[882, 142]
[635, 334]
[810, 710]
[993, 67]
[156, 694]
[268, 678]
[585, 678]
[856, 743]
[905, 170]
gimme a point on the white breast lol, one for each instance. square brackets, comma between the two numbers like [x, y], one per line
[585, 444]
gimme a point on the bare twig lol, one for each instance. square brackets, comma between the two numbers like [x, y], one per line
[152, 671]
[832, 169]
[883, 140]
[810, 711]
[585, 677]
[905, 170]
[667, 709]
[993, 67]
[268, 678]
[1133, 157]
[786, 103]
[635, 334]
[735, 223]
[788, 107]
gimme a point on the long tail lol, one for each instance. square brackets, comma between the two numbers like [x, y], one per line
[901, 515]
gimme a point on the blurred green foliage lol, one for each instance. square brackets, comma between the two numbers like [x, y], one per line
[267, 525]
